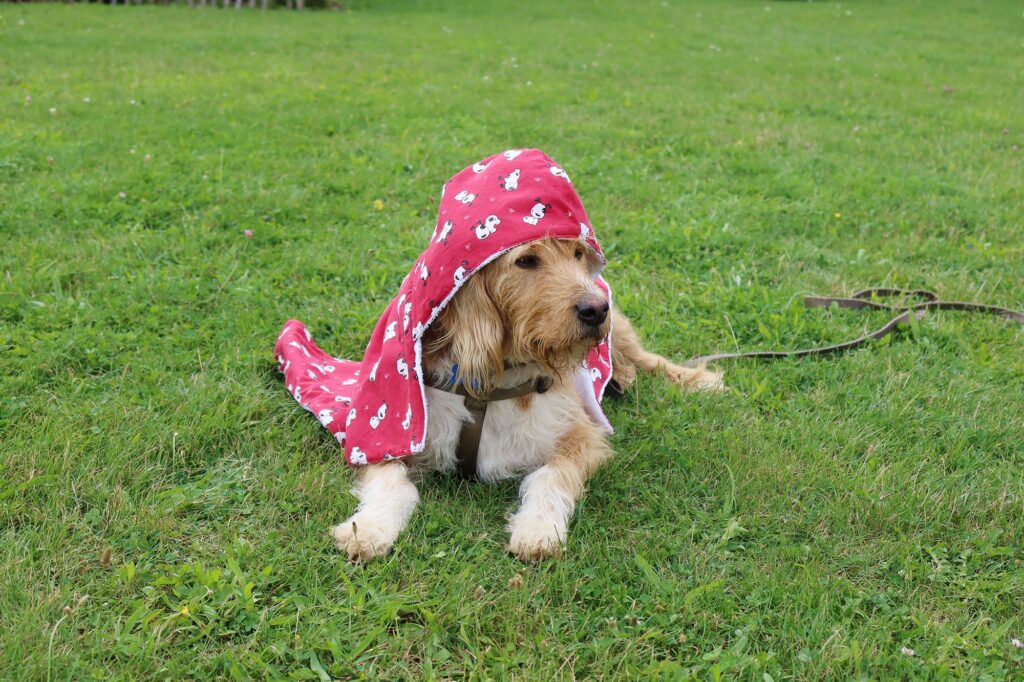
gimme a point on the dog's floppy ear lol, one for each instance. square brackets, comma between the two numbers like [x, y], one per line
[474, 333]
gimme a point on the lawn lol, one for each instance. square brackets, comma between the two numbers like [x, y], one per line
[165, 505]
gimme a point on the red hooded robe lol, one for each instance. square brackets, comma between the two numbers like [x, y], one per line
[377, 409]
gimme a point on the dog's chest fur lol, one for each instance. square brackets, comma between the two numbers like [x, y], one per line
[518, 435]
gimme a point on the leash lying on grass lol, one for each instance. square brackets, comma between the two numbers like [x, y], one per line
[865, 299]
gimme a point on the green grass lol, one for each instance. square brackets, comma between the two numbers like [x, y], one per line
[808, 524]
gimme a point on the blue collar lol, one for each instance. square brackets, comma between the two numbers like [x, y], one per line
[455, 377]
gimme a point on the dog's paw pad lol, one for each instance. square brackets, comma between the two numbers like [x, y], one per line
[698, 380]
[534, 541]
[362, 539]
[536, 552]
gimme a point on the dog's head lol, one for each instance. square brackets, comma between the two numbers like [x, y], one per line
[536, 303]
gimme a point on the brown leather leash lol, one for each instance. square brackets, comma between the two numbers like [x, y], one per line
[469, 437]
[866, 299]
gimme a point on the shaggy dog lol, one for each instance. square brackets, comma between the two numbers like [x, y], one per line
[500, 333]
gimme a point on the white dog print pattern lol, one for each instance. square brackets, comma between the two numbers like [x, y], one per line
[511, 181]
[357, 456]
[296, 344]
[559, 173]
[537, 212]
[487, 227]
[446, 230]
[376, 419]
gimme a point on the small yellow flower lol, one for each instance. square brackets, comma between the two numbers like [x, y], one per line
[838, 215]
[184, 610]
[378, 204]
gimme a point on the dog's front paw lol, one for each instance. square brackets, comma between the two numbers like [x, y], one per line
[534, 538]
[700, 379]
[363, 538]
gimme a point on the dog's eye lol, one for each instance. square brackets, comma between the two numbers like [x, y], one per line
[579, 254]
[528, 262]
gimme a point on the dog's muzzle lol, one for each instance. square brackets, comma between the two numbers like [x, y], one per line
[592, 313]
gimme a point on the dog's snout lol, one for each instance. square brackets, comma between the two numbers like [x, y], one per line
[592, 311]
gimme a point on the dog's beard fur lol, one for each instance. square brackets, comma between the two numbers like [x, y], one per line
[520, 309]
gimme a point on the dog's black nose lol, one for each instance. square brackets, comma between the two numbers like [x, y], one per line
[592, 311]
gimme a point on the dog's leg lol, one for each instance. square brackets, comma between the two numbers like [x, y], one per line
[549, 494]
[387, 499]
[628, 355]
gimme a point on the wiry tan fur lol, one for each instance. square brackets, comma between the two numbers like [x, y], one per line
[513, 321]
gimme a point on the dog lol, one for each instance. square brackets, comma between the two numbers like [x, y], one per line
[499, 332]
